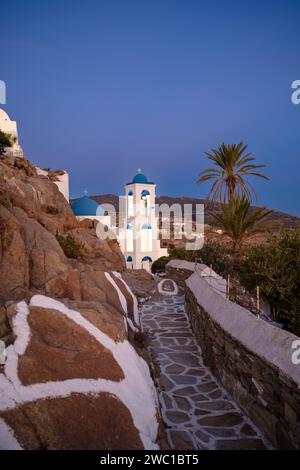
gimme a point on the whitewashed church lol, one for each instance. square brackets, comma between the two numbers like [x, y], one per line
[138, 237]
[138, 231]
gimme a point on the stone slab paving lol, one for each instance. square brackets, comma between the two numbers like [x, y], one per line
[197, 411]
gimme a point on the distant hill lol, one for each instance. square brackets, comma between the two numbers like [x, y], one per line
[277, 217]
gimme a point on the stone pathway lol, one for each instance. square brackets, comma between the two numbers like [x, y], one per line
[197, 412]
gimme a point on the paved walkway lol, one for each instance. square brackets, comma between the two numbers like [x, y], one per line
[197, 412]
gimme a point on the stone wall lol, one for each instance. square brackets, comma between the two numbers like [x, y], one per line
[180, 271]
[183, 270]
[250, 357]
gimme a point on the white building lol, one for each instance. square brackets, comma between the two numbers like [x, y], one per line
[10, 127]
[60, 178]
[138, 232]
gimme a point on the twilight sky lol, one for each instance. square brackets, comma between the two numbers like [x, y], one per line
[102, 87]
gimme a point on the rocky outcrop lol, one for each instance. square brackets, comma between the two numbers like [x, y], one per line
[141, 282]
[32, 213]
[72, 380]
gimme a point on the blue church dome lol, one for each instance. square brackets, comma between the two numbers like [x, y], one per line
[140, 178]
[85, 206]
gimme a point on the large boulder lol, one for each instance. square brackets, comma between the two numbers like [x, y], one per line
[141, 282]
[68, 385]
[75, 422]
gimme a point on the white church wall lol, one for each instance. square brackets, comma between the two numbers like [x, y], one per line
[146, 240]
[129, 240]
[130, 208]
[63, 184]
[41, 172]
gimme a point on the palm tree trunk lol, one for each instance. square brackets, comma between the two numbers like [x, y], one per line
[236, 256]
[231, 189]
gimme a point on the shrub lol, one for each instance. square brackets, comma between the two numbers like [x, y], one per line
[218, 256]
[275, 268]
[53, 175]
[213, 254]
[181, 253]
[71, 248]
[5, 141]
[24, 165]
[159, 265]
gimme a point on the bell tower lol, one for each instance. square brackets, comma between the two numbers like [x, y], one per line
[142, 245]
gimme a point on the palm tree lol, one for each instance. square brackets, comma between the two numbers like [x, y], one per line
[238, 221]
[231, 164]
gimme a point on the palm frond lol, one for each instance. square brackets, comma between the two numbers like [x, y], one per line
[239, 221]
[232, 166]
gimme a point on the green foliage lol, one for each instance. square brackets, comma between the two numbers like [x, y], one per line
[5, 141]
[231, 164]
[71, 248]
[159, 265]
[181, 253]
[218, 256]
[213, 254]
[275, 268]
[239, 221]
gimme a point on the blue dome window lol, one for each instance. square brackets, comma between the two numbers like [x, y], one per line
[146, 226]
[129, 258]
[85, 206]
[147, 258]
[129, 227]
[130, 193]
[145, 193]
